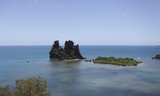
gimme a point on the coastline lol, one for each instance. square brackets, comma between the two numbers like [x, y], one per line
[71, 59]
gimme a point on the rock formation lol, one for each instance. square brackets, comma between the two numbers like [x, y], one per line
[70, 51]
[157, 57]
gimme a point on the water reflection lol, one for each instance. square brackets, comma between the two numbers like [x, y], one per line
[65, 76]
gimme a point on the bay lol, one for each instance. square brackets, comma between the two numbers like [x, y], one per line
[79, 78]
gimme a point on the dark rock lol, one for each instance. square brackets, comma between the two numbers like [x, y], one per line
[56, 51]
[88, 60]
[157, 57]
[70, 51]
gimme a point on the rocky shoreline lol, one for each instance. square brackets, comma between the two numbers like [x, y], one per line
[157, 57]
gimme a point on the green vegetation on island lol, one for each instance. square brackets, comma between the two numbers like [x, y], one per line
[117, 61]
[27, 87]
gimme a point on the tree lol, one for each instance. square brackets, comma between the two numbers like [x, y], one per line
[4, 91]
[27, 87]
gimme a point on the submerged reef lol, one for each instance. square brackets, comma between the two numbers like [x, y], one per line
[69, 52]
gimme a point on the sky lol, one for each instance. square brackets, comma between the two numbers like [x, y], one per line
[86, 22]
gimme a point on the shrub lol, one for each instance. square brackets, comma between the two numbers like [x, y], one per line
[4, 91]
[27, 87]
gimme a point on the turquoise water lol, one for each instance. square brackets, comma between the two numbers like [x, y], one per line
[79, 78]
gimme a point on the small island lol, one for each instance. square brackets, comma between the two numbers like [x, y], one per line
[157, 57]
[69, 52]
[116, 61]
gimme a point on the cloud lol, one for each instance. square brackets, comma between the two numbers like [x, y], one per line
[30, 5]
[34, 2]
[124, 14]
[60, 5]
[156, 42]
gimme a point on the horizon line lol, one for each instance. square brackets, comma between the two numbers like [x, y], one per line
[86, 45]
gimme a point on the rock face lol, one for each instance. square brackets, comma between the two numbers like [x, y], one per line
[70, 51]
[157, 57]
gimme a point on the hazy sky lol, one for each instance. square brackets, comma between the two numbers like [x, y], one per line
[87, 22]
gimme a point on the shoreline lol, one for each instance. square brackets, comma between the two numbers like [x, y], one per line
[117, 61]
[71, 59]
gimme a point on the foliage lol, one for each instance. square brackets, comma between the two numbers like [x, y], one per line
[4, 91]
[27, 87]
[116, 61]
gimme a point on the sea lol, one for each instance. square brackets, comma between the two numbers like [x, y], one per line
[80, 78]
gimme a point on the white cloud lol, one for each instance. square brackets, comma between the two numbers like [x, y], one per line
[60, 5]
[36, 1]
[124, 14]
[30, 5]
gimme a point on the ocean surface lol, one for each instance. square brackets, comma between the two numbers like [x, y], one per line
[79, 78]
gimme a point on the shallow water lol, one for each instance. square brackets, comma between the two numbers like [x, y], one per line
[79, 78]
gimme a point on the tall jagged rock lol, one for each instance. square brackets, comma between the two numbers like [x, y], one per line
[70, 51]
[56, 51]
